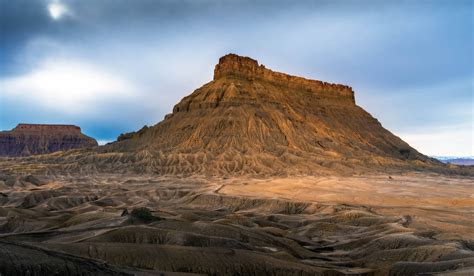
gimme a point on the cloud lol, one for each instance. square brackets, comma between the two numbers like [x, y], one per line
[70, 87]
[113, 66]
[104, 142]
[436, 119]
[442, 141]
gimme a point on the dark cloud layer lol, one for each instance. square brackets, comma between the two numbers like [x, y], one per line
[396, 54]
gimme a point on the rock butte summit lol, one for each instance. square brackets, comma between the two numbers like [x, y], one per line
[244, 67]
[252, 120]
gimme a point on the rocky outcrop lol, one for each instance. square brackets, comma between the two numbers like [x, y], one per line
[129, 135]
[31, 139]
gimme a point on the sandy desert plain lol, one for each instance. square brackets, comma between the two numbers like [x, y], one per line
[255, 173]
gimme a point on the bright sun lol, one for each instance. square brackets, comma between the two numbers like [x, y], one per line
[56, 10]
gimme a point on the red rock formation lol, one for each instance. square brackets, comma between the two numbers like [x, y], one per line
[30, 139]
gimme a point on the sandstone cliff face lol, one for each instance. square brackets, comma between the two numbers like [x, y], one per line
[236, 67]
[31, 139]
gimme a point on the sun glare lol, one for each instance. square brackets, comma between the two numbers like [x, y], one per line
[56, 10]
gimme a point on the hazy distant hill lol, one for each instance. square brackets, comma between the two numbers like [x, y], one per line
[466, 161]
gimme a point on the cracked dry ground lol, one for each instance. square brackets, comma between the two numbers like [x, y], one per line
[361, 225]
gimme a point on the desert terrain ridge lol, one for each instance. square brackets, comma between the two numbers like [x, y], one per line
[255, 173]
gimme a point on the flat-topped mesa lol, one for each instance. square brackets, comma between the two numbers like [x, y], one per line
[30, 139]
[234, 66]
[46, 128]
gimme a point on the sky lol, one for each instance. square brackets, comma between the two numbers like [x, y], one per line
[112, 66]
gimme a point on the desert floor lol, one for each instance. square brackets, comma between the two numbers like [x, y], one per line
[360, 225]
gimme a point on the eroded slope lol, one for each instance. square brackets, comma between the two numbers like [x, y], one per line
[251, 120]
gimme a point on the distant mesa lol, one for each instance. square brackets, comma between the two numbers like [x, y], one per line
[31, 139]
